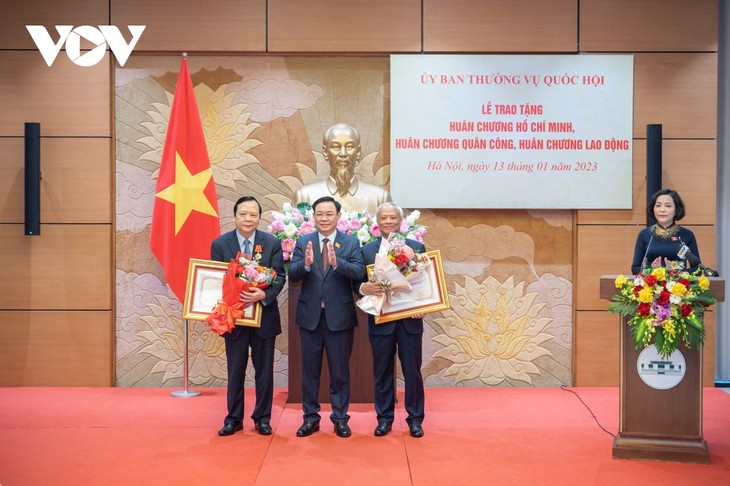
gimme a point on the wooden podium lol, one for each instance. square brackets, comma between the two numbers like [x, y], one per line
[362, 383]
[659, 425]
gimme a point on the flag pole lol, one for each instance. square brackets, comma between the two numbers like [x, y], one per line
[185, 393]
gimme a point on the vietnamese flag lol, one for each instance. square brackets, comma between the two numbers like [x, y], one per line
[185, 214]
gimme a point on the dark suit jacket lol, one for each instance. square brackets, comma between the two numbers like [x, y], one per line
[334, 287]
[413, 326]
[225, 248]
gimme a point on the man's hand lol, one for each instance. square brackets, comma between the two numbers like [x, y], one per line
[309, 255]
[254, 295]
[331, 255]
[371, 288]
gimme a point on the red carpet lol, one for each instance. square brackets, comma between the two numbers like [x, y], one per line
[474, 436]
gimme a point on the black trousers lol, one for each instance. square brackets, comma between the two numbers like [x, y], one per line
[262, 357]
[409, 349]
[338, 346]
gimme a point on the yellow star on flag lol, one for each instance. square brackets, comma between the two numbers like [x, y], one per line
[187, 193]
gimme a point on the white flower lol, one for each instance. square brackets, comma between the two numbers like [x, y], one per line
[363, 234]
[675, 299]
[413, 217]
[290, 230]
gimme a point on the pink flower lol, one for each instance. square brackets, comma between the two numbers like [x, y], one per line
[296, 215]
[375, 230]
[306, 228]
[355, 224]
[342, 225]
[288, 245]
[277, 225]
[403, 226]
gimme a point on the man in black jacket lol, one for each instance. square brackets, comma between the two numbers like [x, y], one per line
[267, 248]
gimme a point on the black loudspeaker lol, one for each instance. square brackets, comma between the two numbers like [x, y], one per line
[33, 179]
[653, 164]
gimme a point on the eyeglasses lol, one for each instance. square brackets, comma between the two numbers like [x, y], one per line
[325, 215]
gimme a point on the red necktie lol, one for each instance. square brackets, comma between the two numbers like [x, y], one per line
[325, 254]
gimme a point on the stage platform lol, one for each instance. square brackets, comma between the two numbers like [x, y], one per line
[474, 436]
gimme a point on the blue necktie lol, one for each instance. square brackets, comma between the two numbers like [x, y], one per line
[247, 248]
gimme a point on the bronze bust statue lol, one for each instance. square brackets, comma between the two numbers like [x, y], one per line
[341, 148]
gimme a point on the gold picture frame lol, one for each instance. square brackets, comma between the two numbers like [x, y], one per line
[428, 294]
[203, 289]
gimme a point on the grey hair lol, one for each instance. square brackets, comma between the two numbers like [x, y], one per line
[389, 205]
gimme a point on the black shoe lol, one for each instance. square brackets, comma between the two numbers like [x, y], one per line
[263, 427]
[382, 429]
[416, 429]
[342, 429]
[230, 428]
[307, 428]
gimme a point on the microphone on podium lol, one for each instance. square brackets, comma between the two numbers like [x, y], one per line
[686, 254]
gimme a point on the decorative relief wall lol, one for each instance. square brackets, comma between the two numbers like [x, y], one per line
[508, 272]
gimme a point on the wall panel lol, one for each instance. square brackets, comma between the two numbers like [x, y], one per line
[66, 267]
[191, 25]
[353, 26]
[630, 25]
[67, 100]
[500, 26]
[76, 185]
[57, 348]
[682, 161]
[16, 15]
[675, 84]
[678, 91]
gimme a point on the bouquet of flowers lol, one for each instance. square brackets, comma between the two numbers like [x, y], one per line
[396, 266]
[290, 224]
[241, 275]
[664, 306]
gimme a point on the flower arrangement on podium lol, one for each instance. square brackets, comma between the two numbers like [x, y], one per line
[664, 306]
[395, 268]
[241, 275]
[293, 222]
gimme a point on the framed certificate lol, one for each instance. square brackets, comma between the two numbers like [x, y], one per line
[428, 293]
[203, 289]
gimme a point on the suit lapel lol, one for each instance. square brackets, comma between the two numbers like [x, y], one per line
[233, 245]
[318, 253]
[257, 242]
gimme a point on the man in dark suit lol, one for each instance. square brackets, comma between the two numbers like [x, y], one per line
[248, 240]
[404, 334]
[327, 262]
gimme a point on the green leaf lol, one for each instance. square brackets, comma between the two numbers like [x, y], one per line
[303, 207]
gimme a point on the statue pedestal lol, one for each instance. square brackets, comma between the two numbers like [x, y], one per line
[362, 385]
